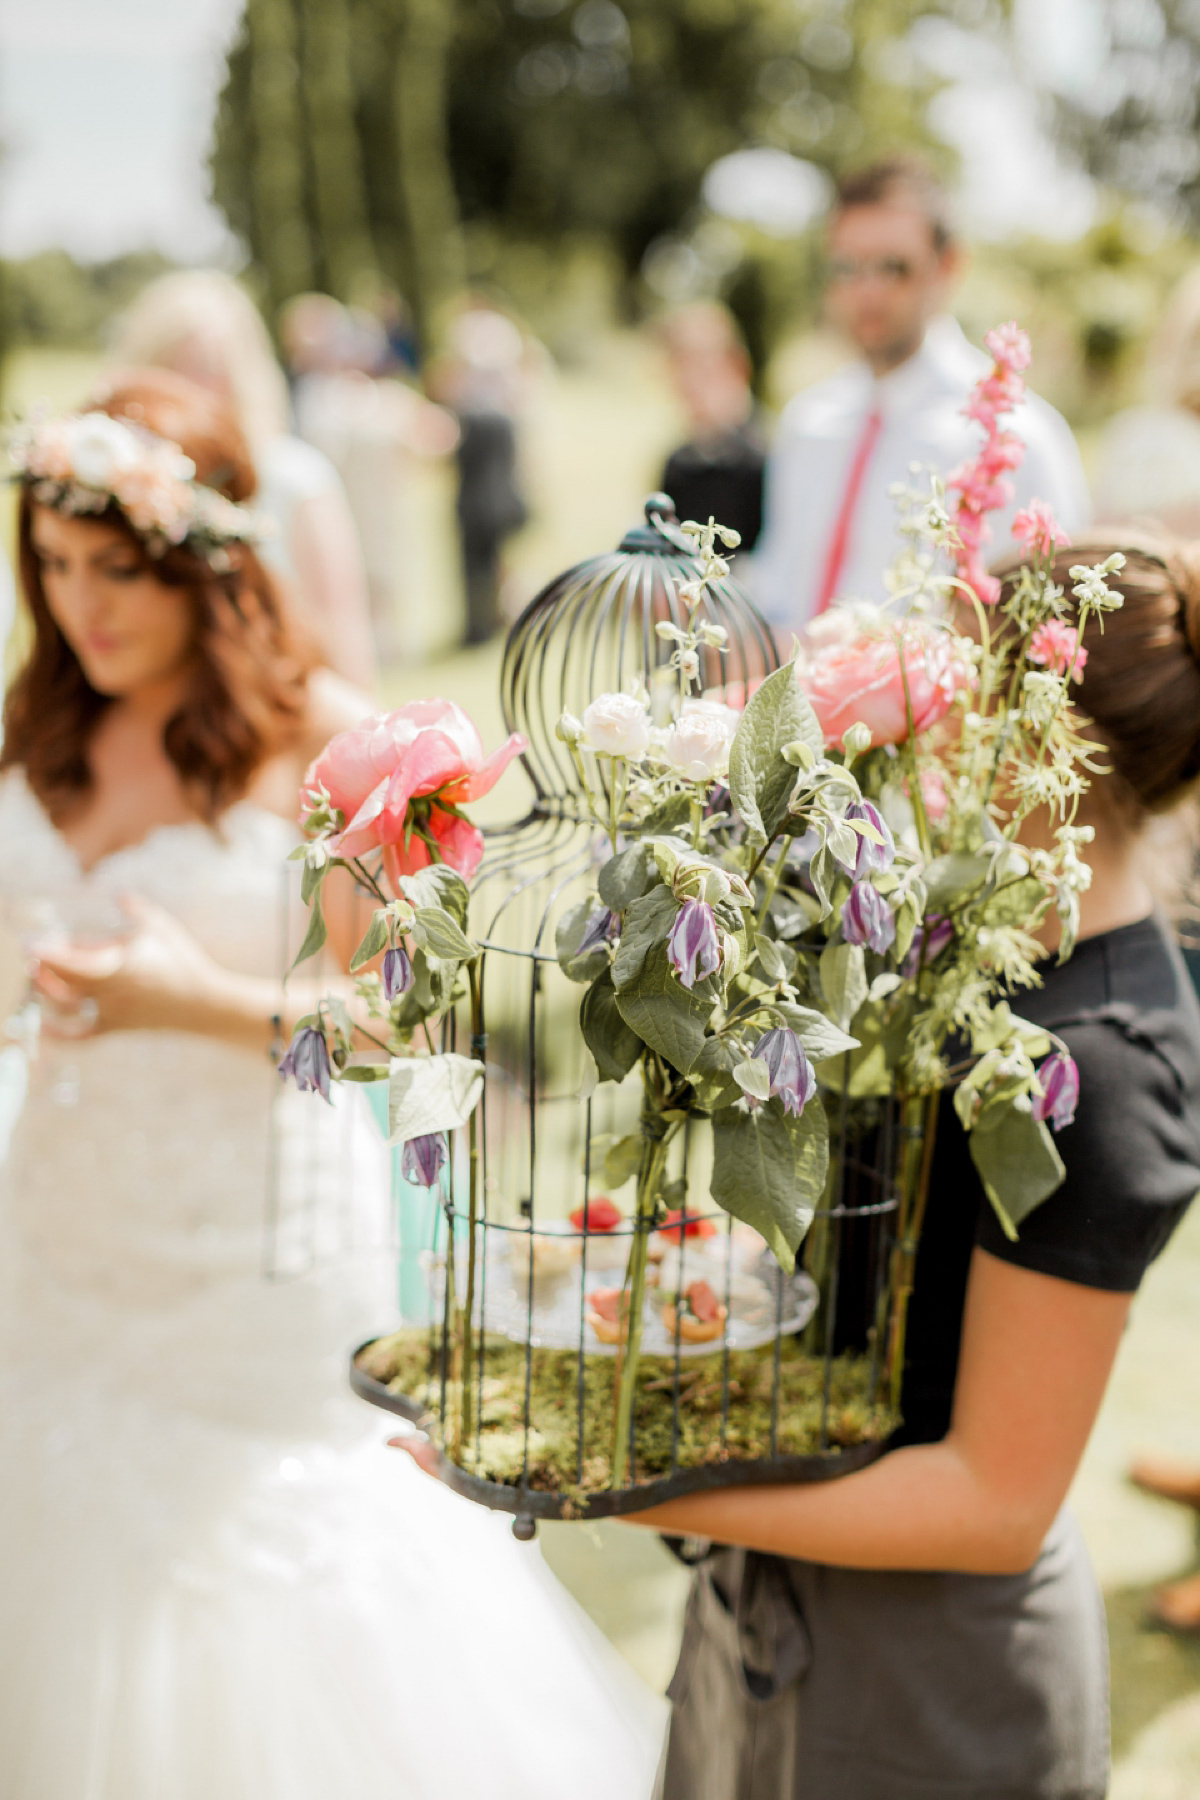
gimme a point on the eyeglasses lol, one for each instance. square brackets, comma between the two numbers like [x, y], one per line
[841, 271]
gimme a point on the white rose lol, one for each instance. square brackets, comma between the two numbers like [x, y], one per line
[100, 449]
[616, 725]
[698, 744]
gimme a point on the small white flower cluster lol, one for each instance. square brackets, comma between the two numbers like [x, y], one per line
[80, 463]
[695, 746]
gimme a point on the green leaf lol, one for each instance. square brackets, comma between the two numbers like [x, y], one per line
[567, 935]
[627, 876]
[431, 1093]
[436, 932]
[648, 921]
[778, 960]
[375, 939]
[311, 879]
[613, 1045]
[674, 814]
[622, 1161]
[1012, 903]
[365, 1072]
[664, 1013]
[711, 1075]
[439, 885]
[819, 1035]
[760, 781]
[753, 1077]
[843, 980]
[951, 879]
[1017, 1161]
[314, 937]
[793, 913]
[769, 1170]
[823, 871]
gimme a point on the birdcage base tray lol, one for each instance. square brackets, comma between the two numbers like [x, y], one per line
[670, 1458]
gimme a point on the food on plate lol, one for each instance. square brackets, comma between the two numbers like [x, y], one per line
[602, 1214]
[607, 1314]
[680, 1223]
[697, 1312]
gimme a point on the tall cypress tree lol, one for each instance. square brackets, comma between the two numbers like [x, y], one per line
[281, 239]
[339, 201]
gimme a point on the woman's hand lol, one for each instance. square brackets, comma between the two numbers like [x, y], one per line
[158, 979]
[421, 1448]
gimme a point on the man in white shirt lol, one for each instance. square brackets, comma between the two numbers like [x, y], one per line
[830, 529]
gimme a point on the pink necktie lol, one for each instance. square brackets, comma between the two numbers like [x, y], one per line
[839, 543]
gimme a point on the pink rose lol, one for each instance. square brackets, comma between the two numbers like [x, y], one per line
[428, 749]
[861, 681]
[1055, 645]
[1037, 531]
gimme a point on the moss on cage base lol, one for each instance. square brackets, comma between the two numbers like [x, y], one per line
[402, 1363]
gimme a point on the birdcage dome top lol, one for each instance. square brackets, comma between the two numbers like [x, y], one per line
[592, 630]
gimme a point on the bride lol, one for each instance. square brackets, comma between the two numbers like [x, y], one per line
[215, 1581]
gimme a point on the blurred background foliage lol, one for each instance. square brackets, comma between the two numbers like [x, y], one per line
[557, 157]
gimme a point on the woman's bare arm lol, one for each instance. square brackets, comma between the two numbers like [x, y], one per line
[1036, 1356]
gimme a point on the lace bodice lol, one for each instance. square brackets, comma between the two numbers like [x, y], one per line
[149, 1164]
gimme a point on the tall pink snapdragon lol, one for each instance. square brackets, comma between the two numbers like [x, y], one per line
[983, 486]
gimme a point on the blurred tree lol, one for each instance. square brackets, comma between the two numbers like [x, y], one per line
[1136, 124]
[531, 121]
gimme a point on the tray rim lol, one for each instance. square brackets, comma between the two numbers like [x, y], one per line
[541, 1503]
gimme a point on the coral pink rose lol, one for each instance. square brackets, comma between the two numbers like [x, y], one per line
[861, 682]
[428, 749]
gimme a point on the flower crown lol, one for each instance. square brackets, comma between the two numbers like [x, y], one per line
[82, 462]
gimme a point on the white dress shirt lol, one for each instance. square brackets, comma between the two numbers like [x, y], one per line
[920, 404]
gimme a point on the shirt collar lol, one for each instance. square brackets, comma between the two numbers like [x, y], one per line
[945, 363]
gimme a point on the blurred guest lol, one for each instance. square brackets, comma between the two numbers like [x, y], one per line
[1148, 464]
[483, 380]
[370, 429]
[830, 519]
[203, 325]
[718, 473]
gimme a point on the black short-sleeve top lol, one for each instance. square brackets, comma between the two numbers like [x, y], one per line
[1127, 1010]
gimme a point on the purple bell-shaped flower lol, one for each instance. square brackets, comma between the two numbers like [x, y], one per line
[867, 919]
[307, 1062]
[693, 948]
[423, 1158]
[1059, 1097]
[397, 972]
[792, 1078]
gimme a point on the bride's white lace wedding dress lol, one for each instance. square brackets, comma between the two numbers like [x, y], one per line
[216, 1583]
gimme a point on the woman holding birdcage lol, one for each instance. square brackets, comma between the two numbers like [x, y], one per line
[930, 1625]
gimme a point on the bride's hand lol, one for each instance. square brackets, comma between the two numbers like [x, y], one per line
[158, 979]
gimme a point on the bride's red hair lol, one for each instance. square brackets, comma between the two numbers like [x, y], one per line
[246, 698]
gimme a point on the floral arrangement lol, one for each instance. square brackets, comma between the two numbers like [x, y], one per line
[820, 896]
[80, 463]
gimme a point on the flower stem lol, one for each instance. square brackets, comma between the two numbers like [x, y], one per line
[656, 1136]
[920, 1116]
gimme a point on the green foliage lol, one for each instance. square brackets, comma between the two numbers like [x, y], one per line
[374, 942]
[353, 136]
[665, 1015]
[769, 1170]
[1017, 1161]
[431, 1093]
[614, 1046]
[567, 935]
[760, 779]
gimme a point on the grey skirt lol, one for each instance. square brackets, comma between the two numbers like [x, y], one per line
[800, 1682]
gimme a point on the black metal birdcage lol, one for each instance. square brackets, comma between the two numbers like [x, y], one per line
[792, 1388]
